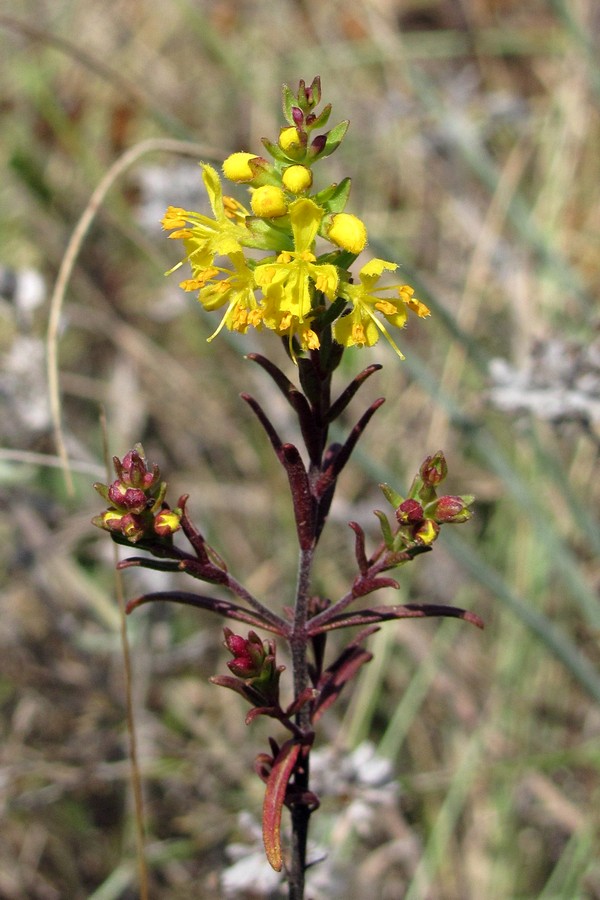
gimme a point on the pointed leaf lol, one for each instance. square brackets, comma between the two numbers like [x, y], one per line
[304, 505]
[288, 101]
[390, 613]
[276, 441]
[346, 396]
[277, 784]
[340, 672]
[335, 138]
[386, 530]
[331, 473]
[321, 120]
[392, 496]
[214, 604]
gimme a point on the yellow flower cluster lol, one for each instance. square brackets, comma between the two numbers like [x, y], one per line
[291, 290]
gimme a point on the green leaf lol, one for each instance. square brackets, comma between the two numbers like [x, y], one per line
[386, 531]
[288, 100]
[334, 138]
[392, 496]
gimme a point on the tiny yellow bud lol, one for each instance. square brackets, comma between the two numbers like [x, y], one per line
[290, 143]
[348, 232]
[297, 179]
[236, 167]
[268, 202]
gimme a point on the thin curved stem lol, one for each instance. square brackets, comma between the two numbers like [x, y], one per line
[67, 265]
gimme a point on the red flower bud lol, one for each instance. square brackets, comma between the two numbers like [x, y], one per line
[133, 470]
[132, 499]
[410, 512]
[452, 509]
[434, 469]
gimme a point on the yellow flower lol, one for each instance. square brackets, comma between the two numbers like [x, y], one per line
[290, 142]
[348, 232]
[268, 202]
[219, 285]
[236, 167]
[288, 283]
[203, 237]
[297, 179]
[361, 326]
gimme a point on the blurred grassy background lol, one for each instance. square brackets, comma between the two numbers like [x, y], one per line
[473, 149]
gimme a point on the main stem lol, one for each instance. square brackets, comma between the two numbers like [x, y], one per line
[300, 812]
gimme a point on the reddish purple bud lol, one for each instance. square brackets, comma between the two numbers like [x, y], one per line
[134, 470]
[298, 117]
[318, 144]
[434, 469]
[249, 654]
[410, 512]
[235, 643]
[243, 667]
[132, 499]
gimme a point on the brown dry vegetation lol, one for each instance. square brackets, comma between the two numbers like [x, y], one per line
[473, 150]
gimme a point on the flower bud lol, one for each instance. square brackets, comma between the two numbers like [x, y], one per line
[132, 499]
[132, 470]
[291, 142]
[452, 509]
[132, 527]
[249, 655]
[110, 520]
[427, 532]
[297, 179]
[236, 167]
[167, 522]
[268, 202]
[434, 469]
[409, 512]
[348, 232]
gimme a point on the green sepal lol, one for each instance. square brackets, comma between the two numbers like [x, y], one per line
[272, 236]
[386, 531]
[102, 490]
[343, 259]
[287, 101]
[335, 197]
[392, 496]
[278, 154]
[334, 138]
[322, 118]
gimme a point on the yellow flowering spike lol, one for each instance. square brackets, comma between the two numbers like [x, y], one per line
[297, 179]
[348, 232]
[268, 202]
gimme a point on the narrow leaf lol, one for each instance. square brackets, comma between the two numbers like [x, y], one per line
[346, 396]
[279, 777]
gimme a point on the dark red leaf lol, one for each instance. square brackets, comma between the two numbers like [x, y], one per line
[279, 777]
